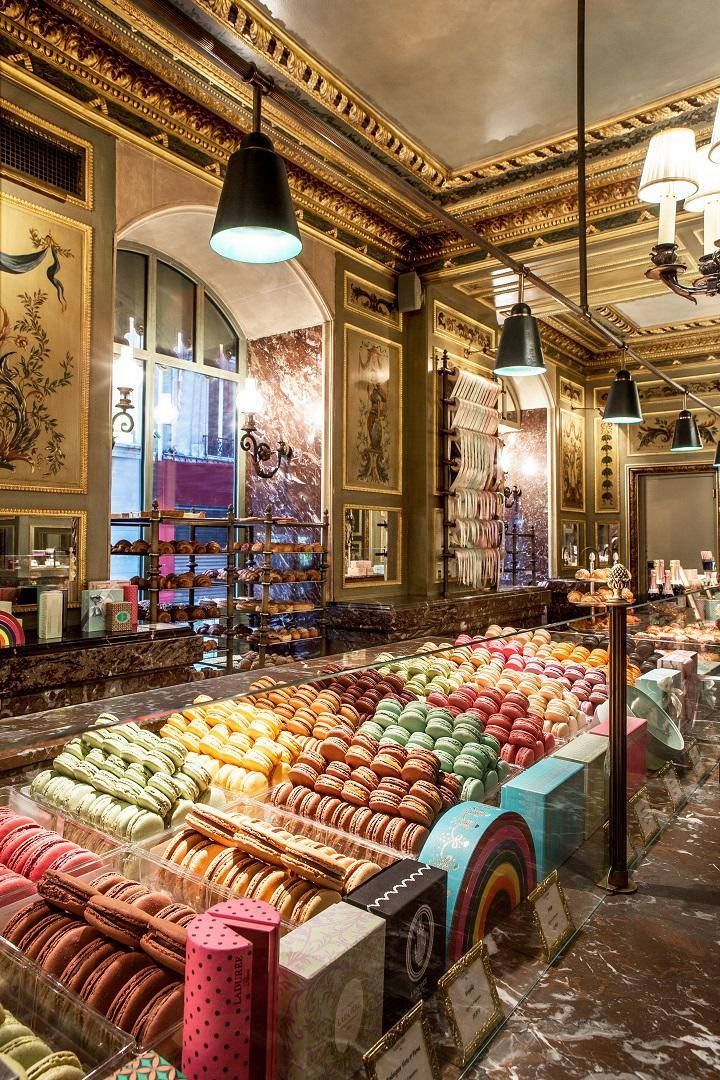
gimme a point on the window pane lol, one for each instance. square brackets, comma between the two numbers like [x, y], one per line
[130, 298]
[175, 313]
[194, 441]
[220, 348]
[127, 473]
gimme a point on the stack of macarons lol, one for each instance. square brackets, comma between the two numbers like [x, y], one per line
[252, 858]
[124, 781]
[27, 850]
[244, 748]
[124, 962]
[27, 1056]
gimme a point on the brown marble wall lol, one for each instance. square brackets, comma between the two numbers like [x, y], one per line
[289, 371]
[526, 457]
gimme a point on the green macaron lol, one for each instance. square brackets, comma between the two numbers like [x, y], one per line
[467, 766]
[438, 727]
[473, 790]
[396, 734]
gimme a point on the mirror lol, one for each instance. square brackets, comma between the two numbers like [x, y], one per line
[571, 543]
[41, 548]
[607, 534]
[371, 545]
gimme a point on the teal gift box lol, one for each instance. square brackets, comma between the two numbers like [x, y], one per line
[658, 684]
[551, 798]
[92, 608]
[592, 754]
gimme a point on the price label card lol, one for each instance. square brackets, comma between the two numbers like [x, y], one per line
[672, 785]
[694, 755]
[471, 1001]
[551, 915]
[405, 1052]
[645, 816]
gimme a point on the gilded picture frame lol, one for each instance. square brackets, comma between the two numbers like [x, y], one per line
[635, 805]
[45, 327]
[371, 300]
[607, 467]
[465, 1051]
[654, 434]
[369, 583]
[416, 1015]
[81, 553]
[572, 461]
[552, 946]
[571, 391]
[671, 783]
[372, 412]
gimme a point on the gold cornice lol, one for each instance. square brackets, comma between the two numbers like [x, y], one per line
[564, 344]
[69, 47]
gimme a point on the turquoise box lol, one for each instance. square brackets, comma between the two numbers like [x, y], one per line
[592, 754]
[551, 798]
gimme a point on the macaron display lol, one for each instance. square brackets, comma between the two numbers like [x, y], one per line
[125, 781]
[27, 851]
[252, 858]
[26, 1055]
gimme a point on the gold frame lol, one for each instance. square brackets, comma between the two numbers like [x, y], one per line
[563, 381]
[82, 542]
[477, 952]
[361, 583]
[656, 449]
[395, 323]
[551, 949]
[642, 794]
[563, 507]
[86, 232]
[581, 544]
[415, 1015]
[602, 522]
[669, 769]
[597, 472]
[448, 335]
[62, 135]
[401, 372]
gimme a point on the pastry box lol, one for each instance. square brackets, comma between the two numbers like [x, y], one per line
[331, 979]
[411, 897]
[551, 798]
[636, 749]
[592, 754]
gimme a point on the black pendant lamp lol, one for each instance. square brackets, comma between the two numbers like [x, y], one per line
[686, 437]
[623, 403]
[255, 220]
[520, 352]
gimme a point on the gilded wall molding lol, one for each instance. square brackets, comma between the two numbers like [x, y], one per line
[463, 330]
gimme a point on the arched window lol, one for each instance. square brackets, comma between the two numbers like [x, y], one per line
[183, 358]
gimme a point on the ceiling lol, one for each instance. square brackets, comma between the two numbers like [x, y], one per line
[472, 81]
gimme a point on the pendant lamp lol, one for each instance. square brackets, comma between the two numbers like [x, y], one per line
[686, 437]
[623, 403]
[520, 349]
[255, 220]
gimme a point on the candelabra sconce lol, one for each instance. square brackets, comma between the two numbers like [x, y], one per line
[667, 269]
[511, 496]
[123, 416]
[261, 451]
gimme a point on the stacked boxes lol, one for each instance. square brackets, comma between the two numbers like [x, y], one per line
[592, 754]
[636, 749]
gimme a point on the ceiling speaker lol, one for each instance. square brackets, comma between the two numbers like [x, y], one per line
[410, 293]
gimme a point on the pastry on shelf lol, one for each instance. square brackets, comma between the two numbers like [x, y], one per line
[141, 582]
[185, 581]
[213, 548]
[166, 547]
[582, 574]
[183, 547]
[199, 549]
[139, 547]
[202, 581]
[180, 614]
[121, 547]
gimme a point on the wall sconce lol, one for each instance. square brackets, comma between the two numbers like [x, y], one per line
[250, 402]
[125, 373]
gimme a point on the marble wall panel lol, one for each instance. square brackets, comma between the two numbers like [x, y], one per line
[526, 461]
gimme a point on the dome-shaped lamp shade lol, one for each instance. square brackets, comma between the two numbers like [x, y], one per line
[716, 462]
[623, 403]
[686, 437]
[520, 350]
[255, 220]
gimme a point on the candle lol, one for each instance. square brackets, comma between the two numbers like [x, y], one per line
[666, 224]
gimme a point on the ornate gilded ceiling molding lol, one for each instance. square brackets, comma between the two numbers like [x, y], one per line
[255, 29]
[567, 347]
[45, 33]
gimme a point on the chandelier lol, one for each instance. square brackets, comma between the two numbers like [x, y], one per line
[674, 171]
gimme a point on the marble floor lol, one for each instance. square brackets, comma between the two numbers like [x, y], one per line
[637, 993]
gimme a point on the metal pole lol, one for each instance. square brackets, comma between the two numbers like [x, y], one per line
[618, 878]
[582, 201]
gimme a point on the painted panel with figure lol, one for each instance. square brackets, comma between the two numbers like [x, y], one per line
[654, 434]
[44, 348]
[373, 413]
[572, 461]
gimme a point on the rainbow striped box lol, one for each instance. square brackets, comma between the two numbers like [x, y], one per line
[592, 754]
[551, 798]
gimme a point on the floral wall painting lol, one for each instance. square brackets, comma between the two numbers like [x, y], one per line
[655, 433]
[44, 348]
[607, 467]
[572, 461]
[372, 409]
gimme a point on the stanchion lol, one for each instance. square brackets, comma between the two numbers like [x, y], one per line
[618, 878]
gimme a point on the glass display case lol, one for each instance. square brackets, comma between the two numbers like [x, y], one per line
[439, 808]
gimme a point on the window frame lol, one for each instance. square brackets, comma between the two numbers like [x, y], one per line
[151, 360]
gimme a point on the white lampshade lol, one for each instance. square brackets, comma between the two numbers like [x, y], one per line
[165, 411]
[708, 175]
[715, 140]
[670, 167]
[250, 400]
